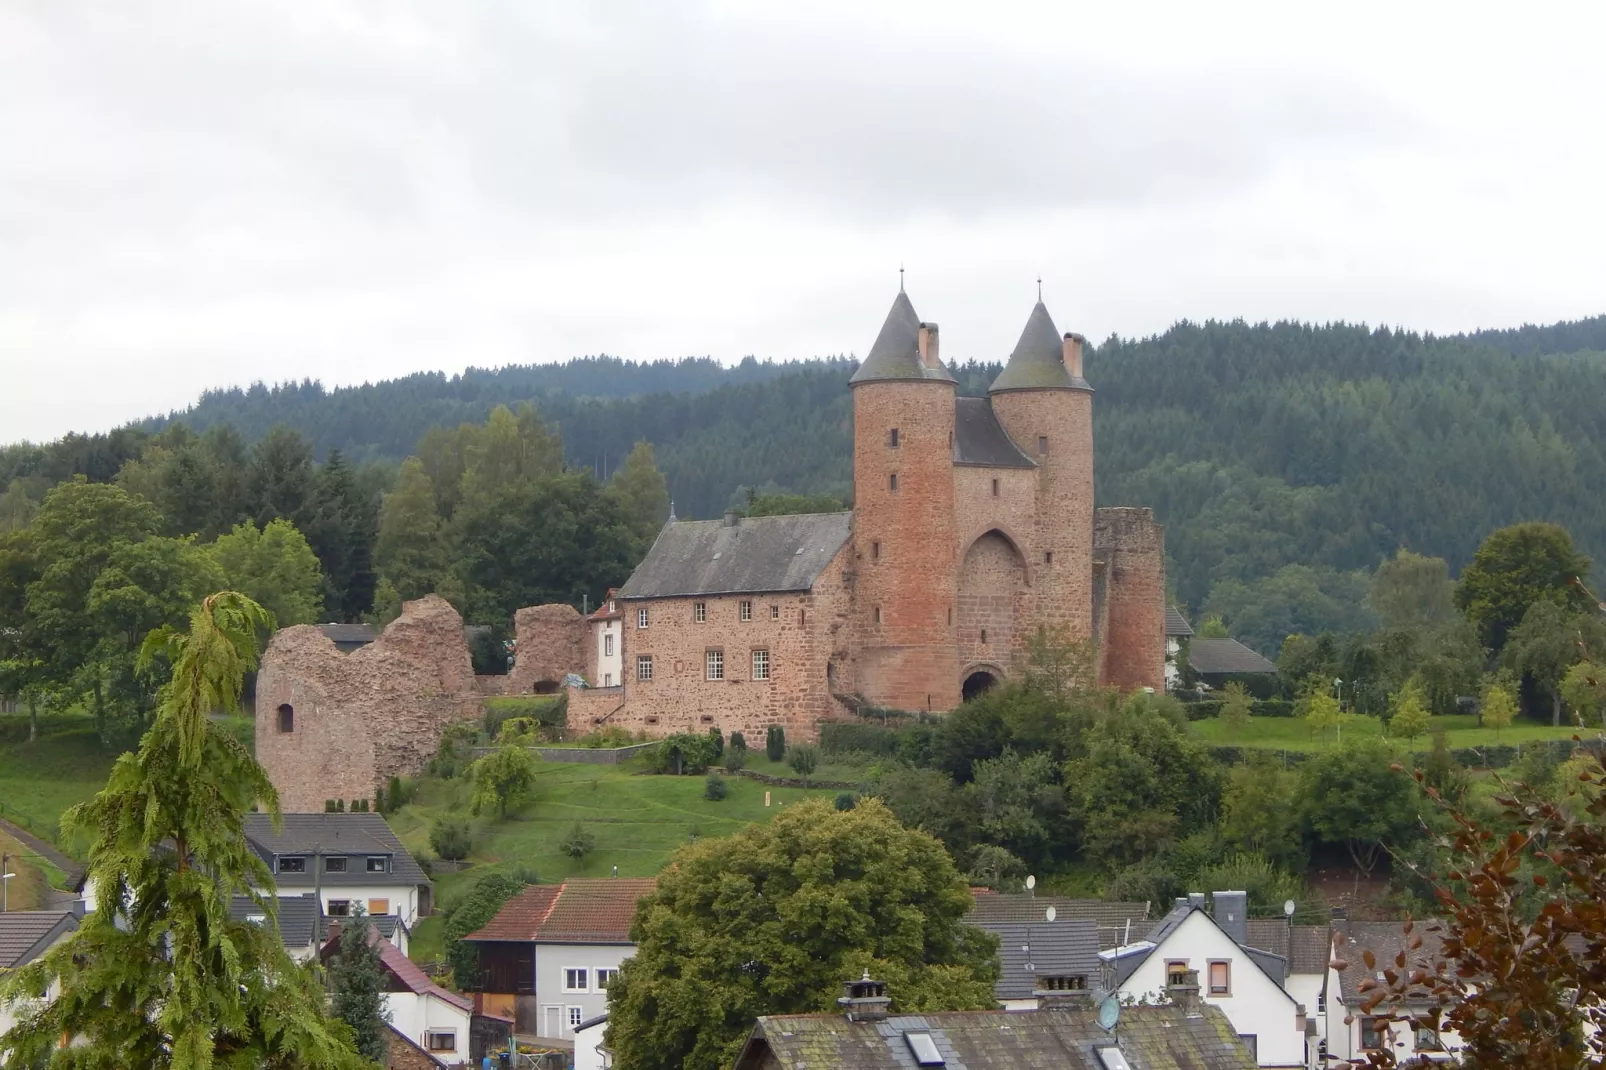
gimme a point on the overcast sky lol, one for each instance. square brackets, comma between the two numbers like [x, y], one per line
[201, 194]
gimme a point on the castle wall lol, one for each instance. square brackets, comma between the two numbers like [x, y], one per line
[905, 544]
[1012, 512]
[552, 642]
[800, 637]
[360, 718]
[1063, 587]
[1134, 648]
[994, 605]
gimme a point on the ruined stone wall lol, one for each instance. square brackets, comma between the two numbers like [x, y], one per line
[358, 719]
[905, 543]
[799, 631]
[551, 643]
[1135, 645]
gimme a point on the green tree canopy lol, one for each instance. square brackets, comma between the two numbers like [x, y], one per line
[1410, 717]
[1411, 591]
[1515, 568]
[773, 919]
[357, 985]
[275, 568]
[643, 494]
[1352, 796]
[503, 779]
[1550, 640]
[159, 974]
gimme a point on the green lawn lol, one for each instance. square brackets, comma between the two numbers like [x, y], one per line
[638, 820]
[39, 781]
[828, 769]
[1290, 733]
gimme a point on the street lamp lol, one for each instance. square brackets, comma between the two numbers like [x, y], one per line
[1338, 686]
[4, 887]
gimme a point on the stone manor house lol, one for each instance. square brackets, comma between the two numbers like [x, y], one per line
[973, 523]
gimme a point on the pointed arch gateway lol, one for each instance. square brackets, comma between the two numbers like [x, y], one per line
[992, 587]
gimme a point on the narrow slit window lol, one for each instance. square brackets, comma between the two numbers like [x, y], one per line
[875, 551]
[878, 614]
[1042, 445]
[1048, 557]
[287, 718]
[892, 438]
[892, 481]
[984, 635]
[995, 488]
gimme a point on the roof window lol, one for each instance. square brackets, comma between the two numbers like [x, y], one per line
[924, 1049]
[1113, 1059]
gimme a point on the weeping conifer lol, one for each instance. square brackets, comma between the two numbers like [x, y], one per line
[159, 975]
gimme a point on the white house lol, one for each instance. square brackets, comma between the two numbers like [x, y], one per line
[24, 936]
[1365, 1034]
[589, 1054]
[548, 956]
[428, 1017]
[1176, 630]
[343, 859]
[607, 634]
[1246, 983]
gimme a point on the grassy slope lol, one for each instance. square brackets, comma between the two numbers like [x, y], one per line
[637, 820]
[40, 781]
[1290, 733]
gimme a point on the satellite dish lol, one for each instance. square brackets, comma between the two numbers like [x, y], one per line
[1109, 1012]
[1031, 882]
[1289, 907]
[1050, 914]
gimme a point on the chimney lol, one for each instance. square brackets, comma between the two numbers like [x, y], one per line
[1231, 910]
[1186, 995]
[1066, 991]
[730, 518]
[864, 1000]
[928, 345]
[1196, 899]
[1072, 355]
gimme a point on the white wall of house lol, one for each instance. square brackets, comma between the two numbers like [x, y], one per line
[588, 1053]
[562, 1005]
[1306, 988]
[1172, 672]
[400, 899]
[1345, 1041]
[1255, 1004]
[416, 1016]
[610, 654]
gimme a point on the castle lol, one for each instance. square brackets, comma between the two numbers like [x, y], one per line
[973, 523]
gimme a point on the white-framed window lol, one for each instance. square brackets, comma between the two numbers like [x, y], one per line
[576, 1016]
[714, 662]
[699, 612]
[641, 617]
[644, 667]
[775, 612]
[744, 610]
[761, 664]
[1220, 977]
[607, 646]
[605, 977]
[378, 864]
[441, 1040]
[576, 980]
[338, 908]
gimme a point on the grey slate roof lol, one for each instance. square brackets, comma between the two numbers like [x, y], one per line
[757, 554]
[1385, 939]
[896, 352]
[980, 439]
[1151, 1038]
[1214, 656]
[1027, 952]
[1038, 362]
[384, 924]
[27, 934]
[1176, 625]
[995, 909]
[1305, 947]
[332, 834]
[298, 914]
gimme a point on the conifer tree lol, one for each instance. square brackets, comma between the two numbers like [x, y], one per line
[356, 984]
[159, 975]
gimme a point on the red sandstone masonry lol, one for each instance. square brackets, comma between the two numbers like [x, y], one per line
[552, 642]
[1135, 599]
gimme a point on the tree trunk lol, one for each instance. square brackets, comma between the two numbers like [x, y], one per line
[1555, 708]
[100, 714]
[33, 717]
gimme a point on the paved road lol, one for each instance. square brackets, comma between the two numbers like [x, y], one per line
[74, 870]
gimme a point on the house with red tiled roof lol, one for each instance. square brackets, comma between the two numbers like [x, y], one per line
[548, 955]
[443, 1025]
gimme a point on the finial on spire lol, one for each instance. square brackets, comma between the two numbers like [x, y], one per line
[900, 278]
[1039, 287]
[671, 510]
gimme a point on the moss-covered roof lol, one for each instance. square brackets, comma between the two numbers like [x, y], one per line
[1151, 1038]
[896, 352]
[1038, 362]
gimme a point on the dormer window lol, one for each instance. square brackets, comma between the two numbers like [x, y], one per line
[378, 864]
[334, 864]
[293, 865]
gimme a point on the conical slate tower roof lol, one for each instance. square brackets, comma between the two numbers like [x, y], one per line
[1038, 362]
[896, 353]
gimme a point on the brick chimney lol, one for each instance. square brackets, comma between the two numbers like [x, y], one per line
[1072, 355]
[928, 345]
[1062, 991]
[1186, 995]
[864, 1000]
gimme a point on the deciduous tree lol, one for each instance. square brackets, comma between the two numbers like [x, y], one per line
[503, 779]
[275, 567]
[1352, 796]
[1409, 717]
[1515, 568]
[773, 919]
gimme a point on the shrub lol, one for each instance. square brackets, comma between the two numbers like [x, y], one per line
[715, 789]
[481, 905]
[520, 731]
[684, 753]
[607, 738]
[578, 842]
[450, 839]
[379, 799]
[399, 793]
[328, 806]
[845, 800]
[545, 710]
[738, 741]
[718, 738]
[775, 743]
[804, 758]
[359, 806]
[735, 759]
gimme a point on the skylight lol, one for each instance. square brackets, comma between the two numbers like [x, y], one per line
[1113, 1059]
[925, 1050]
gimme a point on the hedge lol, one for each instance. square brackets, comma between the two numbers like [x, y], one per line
[911, 742]
[546, 711]
[1494, 756]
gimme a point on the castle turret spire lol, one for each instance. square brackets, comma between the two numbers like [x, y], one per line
[1038, 362]
[898, 352]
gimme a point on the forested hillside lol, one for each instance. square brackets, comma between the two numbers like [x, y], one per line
[1284, 458]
